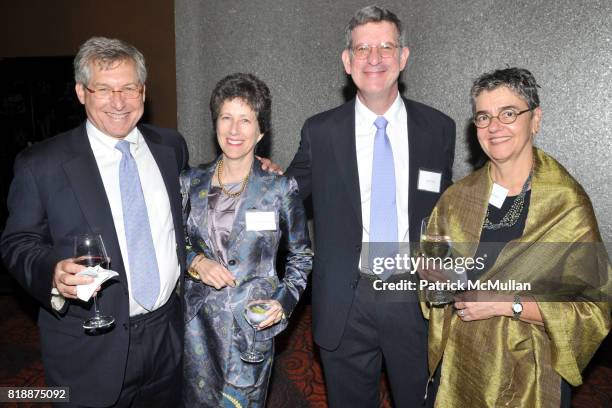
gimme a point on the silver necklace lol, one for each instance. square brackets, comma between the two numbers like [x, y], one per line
[513, 214]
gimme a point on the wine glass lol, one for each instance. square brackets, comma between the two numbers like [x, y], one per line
[436, 245]
[254, 312]
[89, 250]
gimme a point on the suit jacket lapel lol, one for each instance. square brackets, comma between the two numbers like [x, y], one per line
[345, 151]
[418, 148]
[413, 168]
[202, 192]
[165, 158]
[86, 182]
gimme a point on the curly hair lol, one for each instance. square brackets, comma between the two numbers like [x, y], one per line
[248, 88]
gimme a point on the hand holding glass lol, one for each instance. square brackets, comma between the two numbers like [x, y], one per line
[255, 312]
[89, 250]
[436, 246]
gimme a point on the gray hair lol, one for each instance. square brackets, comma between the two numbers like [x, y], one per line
[518, 80]
[106, 52]
[373, 14]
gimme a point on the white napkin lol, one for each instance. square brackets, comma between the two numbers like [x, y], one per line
[100, 276]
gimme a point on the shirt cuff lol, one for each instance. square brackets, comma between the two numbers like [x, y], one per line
[57, 300]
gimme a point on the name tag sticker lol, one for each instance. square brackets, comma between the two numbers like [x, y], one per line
[260, 220]
[498, 195]
[429, 181]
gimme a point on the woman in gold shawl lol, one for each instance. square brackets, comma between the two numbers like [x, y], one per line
[519, 346]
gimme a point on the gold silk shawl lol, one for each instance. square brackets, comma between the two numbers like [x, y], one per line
[504, 362]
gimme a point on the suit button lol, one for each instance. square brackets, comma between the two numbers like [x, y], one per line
[125, 326]
[231, 262]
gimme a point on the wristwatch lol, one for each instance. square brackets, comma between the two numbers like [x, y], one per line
[517, 307]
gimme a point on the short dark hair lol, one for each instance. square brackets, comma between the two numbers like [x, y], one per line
[373, 14]
[249, 88]
[518, 80]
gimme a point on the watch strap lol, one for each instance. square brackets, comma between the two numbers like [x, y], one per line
[517, 301]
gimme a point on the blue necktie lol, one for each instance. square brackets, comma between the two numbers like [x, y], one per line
[383, 209]
[144, 273]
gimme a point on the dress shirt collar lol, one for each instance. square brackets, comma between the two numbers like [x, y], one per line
[134, 137]
[365, 117]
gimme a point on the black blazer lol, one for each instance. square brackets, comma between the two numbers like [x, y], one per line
[326, 167]
[57, 193]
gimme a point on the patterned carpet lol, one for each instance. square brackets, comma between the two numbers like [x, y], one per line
[297, 380]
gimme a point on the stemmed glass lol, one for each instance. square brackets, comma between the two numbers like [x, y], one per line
[89, 250]
[436, 245]
[254, 312]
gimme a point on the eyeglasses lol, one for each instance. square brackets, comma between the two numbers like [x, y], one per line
[507, 116]
[130, 92]
[386, 50]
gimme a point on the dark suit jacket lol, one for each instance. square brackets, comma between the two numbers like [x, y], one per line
[326, 167]
[57, 193]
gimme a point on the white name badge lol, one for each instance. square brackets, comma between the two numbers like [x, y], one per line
[498, 195]
[260, 221]
[429, 181]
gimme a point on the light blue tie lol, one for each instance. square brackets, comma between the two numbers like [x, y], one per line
[144, 272]
[383, 208]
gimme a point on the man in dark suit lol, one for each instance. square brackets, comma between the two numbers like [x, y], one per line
[90, 180]
[375, 167]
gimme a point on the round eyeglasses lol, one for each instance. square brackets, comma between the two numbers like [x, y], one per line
[506, 116]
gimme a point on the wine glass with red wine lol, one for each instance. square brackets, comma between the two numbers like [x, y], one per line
[89, 250]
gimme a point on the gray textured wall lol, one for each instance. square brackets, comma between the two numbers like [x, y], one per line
[295, 47]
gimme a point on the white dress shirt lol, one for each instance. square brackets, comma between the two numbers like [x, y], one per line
[158, 207]
[397, 131]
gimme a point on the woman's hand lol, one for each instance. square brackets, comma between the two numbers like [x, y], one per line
[269, 165]
[213, 273]
[273, 315]
[482, 305]
[430, 274]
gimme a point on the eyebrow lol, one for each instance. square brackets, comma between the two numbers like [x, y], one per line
[503, 108]
[374, 44]
[240, 115]
[110, 86]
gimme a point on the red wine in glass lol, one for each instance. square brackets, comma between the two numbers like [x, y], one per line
[93, 261]
[89, 250]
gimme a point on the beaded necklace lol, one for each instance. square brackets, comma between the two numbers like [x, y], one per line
[513, 214]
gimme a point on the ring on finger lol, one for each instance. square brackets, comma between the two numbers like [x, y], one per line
[461, 312]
